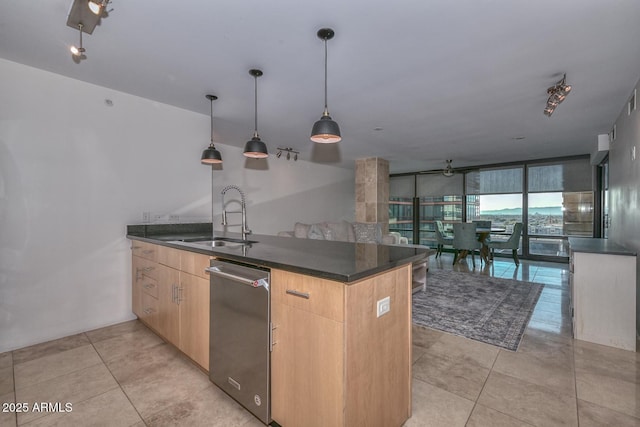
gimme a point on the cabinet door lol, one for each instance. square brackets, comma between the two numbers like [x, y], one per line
[194, 318]
[307, 368]
[168, 314]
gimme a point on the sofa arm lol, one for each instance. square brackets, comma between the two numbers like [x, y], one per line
[392, 238]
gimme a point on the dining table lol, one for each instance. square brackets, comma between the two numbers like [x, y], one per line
[483, 234]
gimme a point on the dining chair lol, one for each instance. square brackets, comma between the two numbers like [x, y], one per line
[465, 239]
[512, 243]
[442, 238]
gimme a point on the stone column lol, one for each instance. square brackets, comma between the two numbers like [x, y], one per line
[372, 191]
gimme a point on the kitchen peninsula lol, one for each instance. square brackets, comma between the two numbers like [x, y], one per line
[335, 361]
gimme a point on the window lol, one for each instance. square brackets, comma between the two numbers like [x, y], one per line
[440, 199]
[560, 204]
[554, 199]
[401, 190]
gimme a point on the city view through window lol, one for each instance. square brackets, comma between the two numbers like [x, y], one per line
[551, 217]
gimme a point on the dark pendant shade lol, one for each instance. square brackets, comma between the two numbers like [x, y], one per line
[256, 149]
[325, 131]
[210, 156]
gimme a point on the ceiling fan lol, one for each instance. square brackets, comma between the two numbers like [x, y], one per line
[448, 171]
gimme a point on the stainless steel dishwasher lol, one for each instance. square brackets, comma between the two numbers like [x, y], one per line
[240, 335]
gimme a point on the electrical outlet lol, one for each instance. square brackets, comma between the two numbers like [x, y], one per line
[384, 305]
[174, 218]
[157, 218]
[146, 216]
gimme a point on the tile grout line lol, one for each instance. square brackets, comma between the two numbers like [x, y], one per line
[575, 377]
[484, 383]
[13, 375]
[116, 380]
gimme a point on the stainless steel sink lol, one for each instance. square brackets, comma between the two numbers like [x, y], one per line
[220, 241]
[229, 242]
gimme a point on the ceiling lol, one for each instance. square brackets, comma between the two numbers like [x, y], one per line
[415, 82]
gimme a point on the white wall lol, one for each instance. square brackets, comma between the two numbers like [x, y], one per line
[74, 172]
[624, 186]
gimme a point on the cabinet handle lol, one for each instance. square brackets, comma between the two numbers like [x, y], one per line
[179, 294]
[135, 247]
[149, 286]
[271, 341]
[173, 292]
[148, 251]
[148, 310]
[293, 292]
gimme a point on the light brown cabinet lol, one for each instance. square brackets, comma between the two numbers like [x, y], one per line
[334, 361]
[171, 295]
[145, 282]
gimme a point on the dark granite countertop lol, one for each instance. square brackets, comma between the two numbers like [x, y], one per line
[340, 261]
[598, 246]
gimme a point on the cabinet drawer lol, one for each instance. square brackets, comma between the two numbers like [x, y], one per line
[144, 267]
[194, 263]
[149, 310]
[169, 257]
[149, 286]
[319, 296]
[144, 250]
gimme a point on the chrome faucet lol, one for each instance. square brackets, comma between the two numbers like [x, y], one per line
[243, 210]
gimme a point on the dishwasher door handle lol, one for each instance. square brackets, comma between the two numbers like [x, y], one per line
[217, 272]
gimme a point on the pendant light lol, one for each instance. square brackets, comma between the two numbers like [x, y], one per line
[325, 130]
[211, 156]
[255, 148]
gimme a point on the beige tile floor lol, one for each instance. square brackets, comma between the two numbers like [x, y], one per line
[125, 375]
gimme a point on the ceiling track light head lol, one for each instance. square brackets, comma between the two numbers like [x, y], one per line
[75, 50]
[98, 6]
[557, 94]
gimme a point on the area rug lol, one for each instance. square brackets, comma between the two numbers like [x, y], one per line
[487, 309]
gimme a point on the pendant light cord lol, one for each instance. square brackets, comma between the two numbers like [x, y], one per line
[211, 115]
[255, 105]
[326, 109]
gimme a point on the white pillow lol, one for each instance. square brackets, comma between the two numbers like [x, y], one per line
[300, 230]
[315, 232]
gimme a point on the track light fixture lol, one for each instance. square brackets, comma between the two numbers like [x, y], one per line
[255, 148]
[557, 94]
[78, 51]
[210, 155]
[289, 152]
[85, 15]
[98, 6]
[325, 130]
